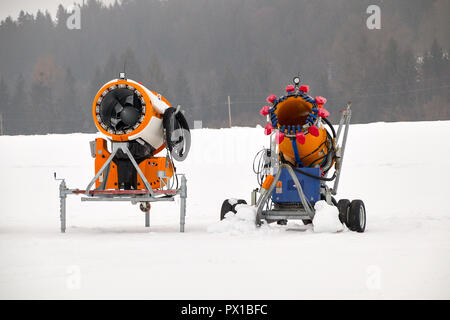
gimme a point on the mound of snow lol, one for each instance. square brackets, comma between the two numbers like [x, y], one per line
[241, 222]
[326, 218]
[232, 201]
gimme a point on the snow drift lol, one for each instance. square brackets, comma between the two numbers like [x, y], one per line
[326, 218]
[241, 222]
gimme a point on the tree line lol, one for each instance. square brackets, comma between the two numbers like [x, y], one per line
[199, 52]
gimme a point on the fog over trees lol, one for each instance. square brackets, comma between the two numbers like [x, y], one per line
[198, 52]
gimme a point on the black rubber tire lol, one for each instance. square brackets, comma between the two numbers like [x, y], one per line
[227, 207]
[343, 206]
[307, 221]
[357, 216]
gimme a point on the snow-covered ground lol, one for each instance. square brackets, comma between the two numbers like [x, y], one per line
[398, 169]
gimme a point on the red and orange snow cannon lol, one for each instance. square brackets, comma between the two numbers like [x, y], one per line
[293, 172]
[138, 124]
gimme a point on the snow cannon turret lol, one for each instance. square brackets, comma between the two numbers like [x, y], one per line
[138, 124]
[293, 173]
[126, 111]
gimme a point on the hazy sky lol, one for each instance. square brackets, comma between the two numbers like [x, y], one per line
[13, 7]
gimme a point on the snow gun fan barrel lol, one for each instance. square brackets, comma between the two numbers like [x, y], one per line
[125, 110]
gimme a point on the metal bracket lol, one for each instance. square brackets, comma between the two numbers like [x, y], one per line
[116, 146]
[265, 196]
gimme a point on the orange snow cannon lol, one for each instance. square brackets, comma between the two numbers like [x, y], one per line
[138, 124]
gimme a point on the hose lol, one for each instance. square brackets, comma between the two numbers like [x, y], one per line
[307, 173]
[314, 176]
[259, 170]
[330, 125]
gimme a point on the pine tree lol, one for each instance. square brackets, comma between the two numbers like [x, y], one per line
[61, 18]
[131, 65]
[433, 62]
[43, 119]
[70, 108]
[183, 95]
[155, 78]
[4, 105]
[20, 114]
[229, 82]
[111, 69]
[435, 76]
[95, 84]
[4, 96]
[389, 100]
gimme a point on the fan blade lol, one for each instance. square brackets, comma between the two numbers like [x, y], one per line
[115, 121]
[129, 100]
[118, 107]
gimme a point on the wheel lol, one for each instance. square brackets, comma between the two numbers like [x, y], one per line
[145, 206]
[307, 221]
[343, 206]
[357, 216]
[228, 206]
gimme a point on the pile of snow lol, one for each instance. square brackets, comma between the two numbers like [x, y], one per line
[326, 218]
[241, 222]
[233, 201]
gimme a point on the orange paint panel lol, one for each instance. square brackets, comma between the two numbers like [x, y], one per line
[101, 155]
[150, 168]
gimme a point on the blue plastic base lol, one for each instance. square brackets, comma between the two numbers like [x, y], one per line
[288, 192]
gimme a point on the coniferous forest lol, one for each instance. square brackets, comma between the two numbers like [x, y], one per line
[198, 52]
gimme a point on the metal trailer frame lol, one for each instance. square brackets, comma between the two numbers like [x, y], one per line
[307, 211]
[144, 196]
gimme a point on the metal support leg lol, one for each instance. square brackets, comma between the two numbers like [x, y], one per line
[183, 196]
[62, 205]
[305, 202]
[125, 149]
[344, 123]
[147, 219]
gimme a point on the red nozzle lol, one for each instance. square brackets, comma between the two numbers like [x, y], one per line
[279, 137]
[314, 130]
[320, 100]
[264, 111]
[300, 137]
[268, 129]
[271, 98]
[304, 88]
[290, 88]
[323, 113]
